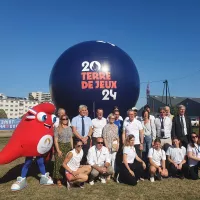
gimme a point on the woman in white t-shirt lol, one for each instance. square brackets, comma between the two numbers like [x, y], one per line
[75, 173]
[157, 159]
[176, 156]
[193, 153]
[131, 170]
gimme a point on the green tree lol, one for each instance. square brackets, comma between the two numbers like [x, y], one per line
[174, 110]
[3, 114]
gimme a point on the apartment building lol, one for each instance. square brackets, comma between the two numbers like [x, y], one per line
[39, 96]
[15, 107]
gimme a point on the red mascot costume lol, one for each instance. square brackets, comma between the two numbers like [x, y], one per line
[33, 137]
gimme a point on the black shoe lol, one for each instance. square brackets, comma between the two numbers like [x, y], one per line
[159, 177]
[181, 177]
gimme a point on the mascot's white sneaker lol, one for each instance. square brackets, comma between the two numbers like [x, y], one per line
[46, 179]
[19, 184]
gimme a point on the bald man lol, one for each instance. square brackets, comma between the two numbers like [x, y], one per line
[61, 112]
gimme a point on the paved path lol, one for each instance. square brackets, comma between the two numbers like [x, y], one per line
[6, 133]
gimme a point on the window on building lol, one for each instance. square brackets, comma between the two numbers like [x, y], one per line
[11, 105]
[11, 109]
[11, 101]
[16, 109]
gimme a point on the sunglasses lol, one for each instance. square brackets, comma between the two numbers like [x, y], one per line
[65, 119]
[99, 142]
[194, 136]
[79, 146]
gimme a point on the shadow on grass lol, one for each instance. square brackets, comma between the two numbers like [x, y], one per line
[33, 171]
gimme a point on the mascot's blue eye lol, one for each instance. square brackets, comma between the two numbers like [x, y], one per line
[53, 117]
[42, 117]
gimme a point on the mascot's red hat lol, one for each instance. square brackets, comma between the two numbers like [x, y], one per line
[33, 136]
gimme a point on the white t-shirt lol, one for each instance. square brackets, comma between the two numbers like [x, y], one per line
[195, 152]
[133, 128]
[157, 156]
[98, 125]
[137, 117]
[130, 152]
[74, 163]
[176, 154]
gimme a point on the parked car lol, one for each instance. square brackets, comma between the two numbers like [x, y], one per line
[195, 121]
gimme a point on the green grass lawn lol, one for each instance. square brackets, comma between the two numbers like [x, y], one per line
[173, 189]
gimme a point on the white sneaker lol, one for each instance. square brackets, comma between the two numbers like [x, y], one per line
[19, 184]
[91, 182]
[103, 180]
[152, 179]
[117, 178]
[46, 179]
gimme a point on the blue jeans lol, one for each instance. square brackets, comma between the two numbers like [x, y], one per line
[28, 162]
[147, 143]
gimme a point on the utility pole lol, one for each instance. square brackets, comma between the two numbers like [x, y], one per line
[167, 93]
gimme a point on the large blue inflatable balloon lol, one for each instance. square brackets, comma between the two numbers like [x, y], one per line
[97, 74]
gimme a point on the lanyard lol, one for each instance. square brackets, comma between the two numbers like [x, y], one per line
[98, 156]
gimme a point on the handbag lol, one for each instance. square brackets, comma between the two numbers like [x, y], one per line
[114, 146]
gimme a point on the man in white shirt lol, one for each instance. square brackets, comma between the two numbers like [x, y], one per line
[82, 129]
[99, 159]
[97, 125]
[163, 128]
[135, 112]
[116, 109]
[168, 113]
[134, 127]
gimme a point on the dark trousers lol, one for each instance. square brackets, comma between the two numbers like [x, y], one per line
[173, 171]
[194, 172]
[184, 140]
[94, 141]
[85, 150]
[138, 151]
[125, 176]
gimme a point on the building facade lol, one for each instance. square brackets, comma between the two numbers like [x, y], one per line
[192, 104]
[16, 107]
[39, 96]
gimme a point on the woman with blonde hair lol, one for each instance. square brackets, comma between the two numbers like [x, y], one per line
[111, 139]
[63, 144]
[131, 170]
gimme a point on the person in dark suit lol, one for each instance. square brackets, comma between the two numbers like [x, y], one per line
[181, 126]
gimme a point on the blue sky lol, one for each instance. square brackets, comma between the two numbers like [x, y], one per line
[162, 38]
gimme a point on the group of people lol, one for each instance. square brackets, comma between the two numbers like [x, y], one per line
[126, 150]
